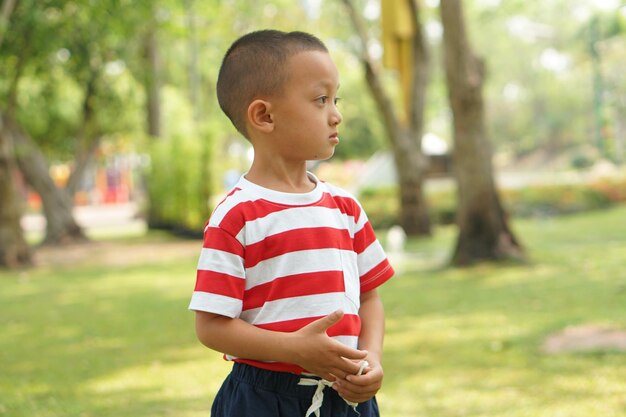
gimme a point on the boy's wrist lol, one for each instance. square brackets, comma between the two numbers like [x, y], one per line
[288, 349]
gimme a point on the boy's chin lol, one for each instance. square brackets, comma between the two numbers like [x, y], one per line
[324, 156]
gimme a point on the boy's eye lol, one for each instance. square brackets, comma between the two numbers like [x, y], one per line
[324, 99]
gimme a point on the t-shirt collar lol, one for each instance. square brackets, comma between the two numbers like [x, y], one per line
[280, 197]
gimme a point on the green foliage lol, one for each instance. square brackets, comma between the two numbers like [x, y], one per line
[115, 339]
[57, 47]
[533, 201]
[58, 53]
[381, 206]
[549, 200]
[180, 183]
[540, 87]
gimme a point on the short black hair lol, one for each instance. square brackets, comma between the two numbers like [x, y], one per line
[254, 65]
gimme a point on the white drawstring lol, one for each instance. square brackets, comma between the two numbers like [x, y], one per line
[318, 397]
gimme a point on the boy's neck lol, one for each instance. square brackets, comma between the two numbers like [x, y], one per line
[283, 177]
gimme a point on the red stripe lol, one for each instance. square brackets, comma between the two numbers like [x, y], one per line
[294, 286]
[297, 240]
[350, 325]
[221, 284]
[257, 209]
[233, 191]
[273, 366]
[226, 197]
[216, 238]
[348, 206]
[363, 238]
[376, 276]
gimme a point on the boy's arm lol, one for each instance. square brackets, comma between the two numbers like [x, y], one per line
[361, 388]
[310, 347]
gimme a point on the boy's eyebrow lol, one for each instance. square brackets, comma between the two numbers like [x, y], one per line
[324, 83]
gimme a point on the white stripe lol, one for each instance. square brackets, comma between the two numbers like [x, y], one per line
[214, 303]
[351, 279]
[296, 218]
[292, 263]
[361, 222]
[222, 262]
[370, 257]
[298, 308]
[350, 341]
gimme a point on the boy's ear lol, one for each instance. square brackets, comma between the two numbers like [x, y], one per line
[260, 117]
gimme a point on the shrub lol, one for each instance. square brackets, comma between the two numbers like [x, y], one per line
[179, 184]
[381, 204]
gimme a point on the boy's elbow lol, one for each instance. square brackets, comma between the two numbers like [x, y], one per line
[207, 328]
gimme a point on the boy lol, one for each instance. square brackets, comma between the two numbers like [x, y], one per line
[287, 277]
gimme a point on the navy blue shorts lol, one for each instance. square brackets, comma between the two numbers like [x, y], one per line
[253, 392]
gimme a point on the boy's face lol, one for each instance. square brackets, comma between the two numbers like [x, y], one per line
[305, 115]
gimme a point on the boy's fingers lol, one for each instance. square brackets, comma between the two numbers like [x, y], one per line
[352, 355]
[323, 324]
[347, 367]
[352, 390]
[361, 380]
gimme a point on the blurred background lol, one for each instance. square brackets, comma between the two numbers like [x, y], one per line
[486, 140]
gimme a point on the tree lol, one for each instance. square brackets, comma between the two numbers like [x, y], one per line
[61, 50]
[405, 137]
[484, 233]
[152, 79]
[14, 251]
[61, 227]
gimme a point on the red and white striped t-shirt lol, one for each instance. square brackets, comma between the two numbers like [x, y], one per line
[282, 260]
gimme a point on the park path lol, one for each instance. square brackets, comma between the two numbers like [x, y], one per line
[100, 218]
[111, 221]
[114, 253]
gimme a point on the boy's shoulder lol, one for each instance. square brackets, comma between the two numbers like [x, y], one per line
[231, 201]
[339, 192]
[334, 189]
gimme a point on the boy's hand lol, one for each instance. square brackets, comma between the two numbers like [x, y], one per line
[323, 356]
[358, 389]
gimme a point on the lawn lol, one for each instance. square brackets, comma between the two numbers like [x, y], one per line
[115, 339]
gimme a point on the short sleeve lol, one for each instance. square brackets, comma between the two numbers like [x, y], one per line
[220, 276]
[374, 267]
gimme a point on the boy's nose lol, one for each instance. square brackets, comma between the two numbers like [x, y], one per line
[335, 117]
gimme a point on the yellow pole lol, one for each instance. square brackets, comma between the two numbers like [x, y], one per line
[397, 36]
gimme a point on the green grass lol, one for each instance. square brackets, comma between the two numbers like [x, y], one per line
[117, 341]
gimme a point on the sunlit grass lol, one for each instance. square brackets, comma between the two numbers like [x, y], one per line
[467, 342]
[93, 341]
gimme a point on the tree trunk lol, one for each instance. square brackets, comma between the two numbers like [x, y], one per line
[152, 83]
[60, 224]
[484, 233]
[5, 15]
[194, 75]
[14, 251]
[411, 164]
[87, 140]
